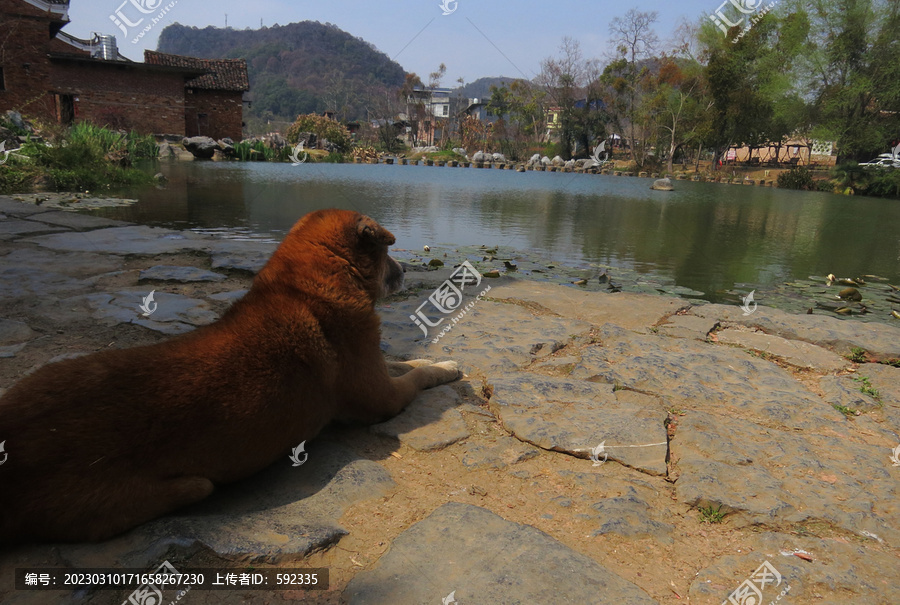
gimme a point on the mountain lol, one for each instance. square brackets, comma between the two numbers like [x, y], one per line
[297, 68]
[480, 88]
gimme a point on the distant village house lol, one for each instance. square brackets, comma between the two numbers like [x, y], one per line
[45, 73]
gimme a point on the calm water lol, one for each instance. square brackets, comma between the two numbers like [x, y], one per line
[714, 239]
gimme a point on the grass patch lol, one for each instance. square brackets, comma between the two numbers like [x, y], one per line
[866, 388]
[848, 412]
[81, 158]
[891, 362]
[857, 355]
[708, 514]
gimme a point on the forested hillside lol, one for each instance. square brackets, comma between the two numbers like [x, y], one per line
[297, 68]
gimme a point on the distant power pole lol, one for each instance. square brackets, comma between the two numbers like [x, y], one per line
[226, 20]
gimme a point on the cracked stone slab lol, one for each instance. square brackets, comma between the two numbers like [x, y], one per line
[506, 452]
[688, 326]
[840, 572]
[431, 422]
[482, 558]
[124, 240]
[478, 340]
[14, 228]
[76, 221]
[179, 273]
[14, 208]
[574, 416]
[626, 309]
[689, 374]
[795, 352]
[839, 335]
[780, 477]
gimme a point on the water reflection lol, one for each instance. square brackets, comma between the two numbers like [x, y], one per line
[707, 237]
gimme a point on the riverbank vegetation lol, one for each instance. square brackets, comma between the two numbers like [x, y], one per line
[83, 157]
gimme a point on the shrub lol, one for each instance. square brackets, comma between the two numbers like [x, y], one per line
[324, 128]
[796, 178]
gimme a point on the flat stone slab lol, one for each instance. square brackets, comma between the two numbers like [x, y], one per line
[179, 274]
[239, 255]
[795, 352]
[626, 309]
[12, 332]
[229, 297]
[12, 207]
[125, 307]
[508, 451]
[846, 392]
[280, 514]
[431, 422]
[478, 341]
[839, 335]
[760, 474]
[13, 228]
[125, 240]
[835, 575]
[481, 558]
[578, 416]
[76, 221]
[688, 326]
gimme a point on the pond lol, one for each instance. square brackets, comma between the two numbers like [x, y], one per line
[708, 241]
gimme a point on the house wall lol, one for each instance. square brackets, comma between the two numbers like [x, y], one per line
[224, 113]
[123, 96]
[24, 35]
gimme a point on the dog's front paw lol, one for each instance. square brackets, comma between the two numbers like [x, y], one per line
[450, 371]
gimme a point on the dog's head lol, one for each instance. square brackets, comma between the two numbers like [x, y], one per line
[337, 243]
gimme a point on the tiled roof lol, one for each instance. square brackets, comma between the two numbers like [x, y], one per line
[223, 74]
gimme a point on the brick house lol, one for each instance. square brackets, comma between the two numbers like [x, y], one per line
[48, 74]
[213, 103]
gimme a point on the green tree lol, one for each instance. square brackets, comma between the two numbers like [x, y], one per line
[850, 67]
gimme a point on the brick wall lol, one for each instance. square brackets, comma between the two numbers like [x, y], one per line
[224, 113]
[24, 35]
[122, 95]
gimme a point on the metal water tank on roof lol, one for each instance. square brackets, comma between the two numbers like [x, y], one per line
[104, 47]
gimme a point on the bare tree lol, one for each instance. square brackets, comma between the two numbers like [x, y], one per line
[634, 40]
[568, 78]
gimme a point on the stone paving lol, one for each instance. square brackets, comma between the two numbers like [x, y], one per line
[652, 413]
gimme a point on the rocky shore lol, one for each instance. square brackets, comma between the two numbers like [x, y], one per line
[602, 448]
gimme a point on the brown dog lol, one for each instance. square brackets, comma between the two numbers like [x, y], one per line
[102, 443]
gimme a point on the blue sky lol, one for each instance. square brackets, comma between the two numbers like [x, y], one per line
[472, 41]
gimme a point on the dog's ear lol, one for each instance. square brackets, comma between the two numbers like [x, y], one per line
[371, 232]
